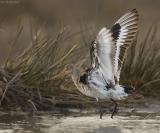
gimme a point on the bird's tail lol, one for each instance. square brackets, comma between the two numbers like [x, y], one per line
[129, 90]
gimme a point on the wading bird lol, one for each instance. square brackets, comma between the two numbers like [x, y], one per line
[108, 51]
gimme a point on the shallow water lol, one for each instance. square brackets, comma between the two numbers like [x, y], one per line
[48, 123]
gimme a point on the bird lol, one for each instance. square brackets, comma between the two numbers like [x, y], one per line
[108, 52]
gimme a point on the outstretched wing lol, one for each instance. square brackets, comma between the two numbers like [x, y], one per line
[109, 48]
[123, 31]
[101, 54]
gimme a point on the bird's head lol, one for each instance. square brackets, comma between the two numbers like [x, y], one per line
[70, 68]
[73, 72]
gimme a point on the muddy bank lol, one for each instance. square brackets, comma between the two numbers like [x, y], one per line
[47, 122]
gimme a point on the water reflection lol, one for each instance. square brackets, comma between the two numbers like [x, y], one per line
[48, 123]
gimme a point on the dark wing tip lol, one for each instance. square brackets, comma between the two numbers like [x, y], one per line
[134, 10]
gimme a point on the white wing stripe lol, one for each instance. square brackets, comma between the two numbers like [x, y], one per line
[105, 42]
[129, 26]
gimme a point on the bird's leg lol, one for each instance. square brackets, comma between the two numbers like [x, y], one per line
[115, 108]
[100, 109]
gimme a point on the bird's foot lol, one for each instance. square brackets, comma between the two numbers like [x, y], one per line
[101, 114]
[115, 110]
[102, 111]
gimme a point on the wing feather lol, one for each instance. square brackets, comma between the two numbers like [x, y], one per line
[109, 48]
[101, 54]
[128, 30]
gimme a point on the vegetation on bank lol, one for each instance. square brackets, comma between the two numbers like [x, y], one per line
[38, 80]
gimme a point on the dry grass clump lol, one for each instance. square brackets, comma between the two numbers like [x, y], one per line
[24, 82]
[38, 79]
[142, 66]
